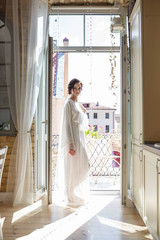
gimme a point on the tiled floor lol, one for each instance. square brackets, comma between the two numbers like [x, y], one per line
[104, 218]
[105, 183]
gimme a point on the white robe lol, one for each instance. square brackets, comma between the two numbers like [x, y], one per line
[71, 180]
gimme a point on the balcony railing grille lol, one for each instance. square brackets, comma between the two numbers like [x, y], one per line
[104, 155]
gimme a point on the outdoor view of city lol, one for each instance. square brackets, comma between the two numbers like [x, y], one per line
[102, 102]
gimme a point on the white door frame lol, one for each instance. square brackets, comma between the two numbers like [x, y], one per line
[50, 91]
[125, 126]
[41, 137]
[123, 122]
[124, 112]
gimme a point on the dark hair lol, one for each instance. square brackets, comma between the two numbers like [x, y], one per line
[72, 83]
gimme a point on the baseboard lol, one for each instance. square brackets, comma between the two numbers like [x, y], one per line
[129, 200]
[151, 230]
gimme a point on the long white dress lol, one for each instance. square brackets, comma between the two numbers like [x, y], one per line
[71, 180]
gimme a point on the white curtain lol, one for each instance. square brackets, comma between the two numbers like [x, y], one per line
[27, 20]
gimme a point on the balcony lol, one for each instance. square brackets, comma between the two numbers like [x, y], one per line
[104, 160]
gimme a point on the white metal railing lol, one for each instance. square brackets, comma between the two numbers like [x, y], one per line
[104, 155]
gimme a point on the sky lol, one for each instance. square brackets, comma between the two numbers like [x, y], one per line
[94, 72]
[93, 69]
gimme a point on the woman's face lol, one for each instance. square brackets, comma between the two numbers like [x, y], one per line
[76, 90]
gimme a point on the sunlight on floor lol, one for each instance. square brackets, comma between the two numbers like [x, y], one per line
[1, 226]
[129, 228]
[70, 223]
[102, 218]
[2, 221]
[25, 211]
[121, 225]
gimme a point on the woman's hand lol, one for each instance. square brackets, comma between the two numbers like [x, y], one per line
[72, 152]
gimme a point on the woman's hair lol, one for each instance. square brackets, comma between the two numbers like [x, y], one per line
[72, 83]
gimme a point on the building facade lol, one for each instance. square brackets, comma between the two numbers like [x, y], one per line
[60, 83]
[100, 117]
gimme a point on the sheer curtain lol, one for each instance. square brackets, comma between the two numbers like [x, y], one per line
[27, 20]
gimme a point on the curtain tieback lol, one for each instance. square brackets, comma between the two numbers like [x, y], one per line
[23, 132]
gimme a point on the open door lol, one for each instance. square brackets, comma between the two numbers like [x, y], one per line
[50, 91]
[126, 124]
[42, 134]
[124, 119]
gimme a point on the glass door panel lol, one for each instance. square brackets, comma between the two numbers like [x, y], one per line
[41, 136]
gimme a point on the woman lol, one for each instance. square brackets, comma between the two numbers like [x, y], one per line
[71, 181]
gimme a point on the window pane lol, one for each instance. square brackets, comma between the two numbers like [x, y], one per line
[107, 128]
[2, 75]
[4, 102]
[107, 115]
[95, 115]
[4, 119]
[97, 29]
[6, 123]
[66, 26]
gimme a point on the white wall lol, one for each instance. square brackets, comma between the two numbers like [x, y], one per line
[101, 121]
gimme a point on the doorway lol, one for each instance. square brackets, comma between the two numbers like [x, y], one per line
[89, 51]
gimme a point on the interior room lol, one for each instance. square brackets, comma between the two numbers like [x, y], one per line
[113, 47]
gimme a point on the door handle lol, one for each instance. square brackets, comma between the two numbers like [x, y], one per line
[45, 122]
[140, 138]
[141, 155]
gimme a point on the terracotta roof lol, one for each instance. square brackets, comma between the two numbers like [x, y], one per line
[100, 108]
[94, 106]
